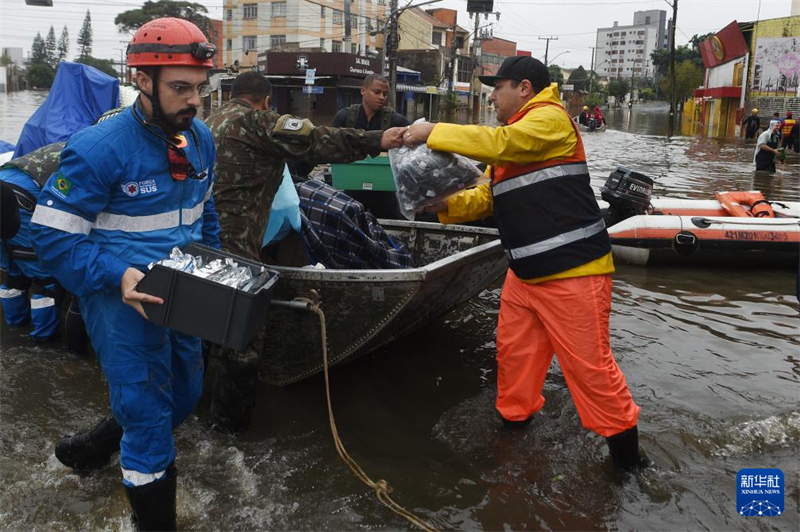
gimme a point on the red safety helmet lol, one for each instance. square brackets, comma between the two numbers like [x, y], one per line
[170, 42]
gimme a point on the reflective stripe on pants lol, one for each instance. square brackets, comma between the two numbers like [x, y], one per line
[568, 318]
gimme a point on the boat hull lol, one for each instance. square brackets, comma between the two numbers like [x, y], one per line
[648, 240]
[366, 309]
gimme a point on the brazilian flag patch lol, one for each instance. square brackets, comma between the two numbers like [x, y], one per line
[62, 185]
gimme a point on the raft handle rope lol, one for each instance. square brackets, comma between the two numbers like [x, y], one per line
[381, 487]
[705, 223]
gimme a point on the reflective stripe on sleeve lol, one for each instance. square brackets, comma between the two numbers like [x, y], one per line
[42, 302]
[557, 241]
[539, 176]
[9, 293]
[208, 194]
[63, 221]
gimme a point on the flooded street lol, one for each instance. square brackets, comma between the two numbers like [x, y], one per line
[712, 356]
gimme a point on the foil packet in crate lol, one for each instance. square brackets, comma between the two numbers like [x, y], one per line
[223, 271]
[425, 177]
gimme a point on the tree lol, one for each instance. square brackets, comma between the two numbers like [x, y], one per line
[50, 47]
[646, 94]
[38, 51]
[103, 65]
[594, 99]
[556, 75]
[688, 76]
[5, 59]
[131, 20]
[40, 76]
[618, 88]
[690, 52]
[580, 79]
[85, 37]
[63, 44]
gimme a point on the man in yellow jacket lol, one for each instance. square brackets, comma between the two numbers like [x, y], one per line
[557, 292]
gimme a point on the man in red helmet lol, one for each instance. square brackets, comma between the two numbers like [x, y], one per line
[127, 191]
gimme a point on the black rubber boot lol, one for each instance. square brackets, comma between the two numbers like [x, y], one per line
[91, 449]
[516, 425]
[233, 395]
[624, 450]
[153, 505]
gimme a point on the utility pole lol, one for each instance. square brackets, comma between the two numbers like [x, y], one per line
[391, 49]
[547, 46]
[475, 86]
[671, 128]
[451, 67]
[591, 73]
[347, 28]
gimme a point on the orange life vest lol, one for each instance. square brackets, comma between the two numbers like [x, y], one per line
[733, 201]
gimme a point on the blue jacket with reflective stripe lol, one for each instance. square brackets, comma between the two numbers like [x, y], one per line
[113, 203]
[30, 268]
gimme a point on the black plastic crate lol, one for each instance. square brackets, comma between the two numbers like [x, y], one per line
[199, 307]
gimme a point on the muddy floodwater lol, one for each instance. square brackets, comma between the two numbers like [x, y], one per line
[712, 357]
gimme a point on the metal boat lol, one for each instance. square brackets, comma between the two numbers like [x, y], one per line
[366, 309]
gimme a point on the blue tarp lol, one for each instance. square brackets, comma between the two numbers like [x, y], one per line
[5, 146]
[79, 95]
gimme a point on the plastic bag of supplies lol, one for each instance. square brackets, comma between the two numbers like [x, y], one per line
[424, 177]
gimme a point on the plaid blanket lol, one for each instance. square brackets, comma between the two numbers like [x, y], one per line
[338, 232]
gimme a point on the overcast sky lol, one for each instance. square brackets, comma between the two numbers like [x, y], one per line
[574, 22]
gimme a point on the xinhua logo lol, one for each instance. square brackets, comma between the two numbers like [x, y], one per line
[759, 492]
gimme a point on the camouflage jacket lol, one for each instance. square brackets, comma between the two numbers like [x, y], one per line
[252, 147]
[40, 164]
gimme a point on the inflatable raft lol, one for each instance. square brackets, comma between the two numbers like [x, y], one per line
[734, 229]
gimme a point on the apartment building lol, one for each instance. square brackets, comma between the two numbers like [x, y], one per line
[251, 27]
[624, 51]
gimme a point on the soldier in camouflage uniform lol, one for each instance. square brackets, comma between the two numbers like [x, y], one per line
[253, 144]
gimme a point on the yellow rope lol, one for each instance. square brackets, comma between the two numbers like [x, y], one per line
[381, 487]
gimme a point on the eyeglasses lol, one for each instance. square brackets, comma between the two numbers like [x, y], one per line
[186, 91]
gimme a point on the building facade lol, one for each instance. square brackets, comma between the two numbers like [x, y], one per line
[624, 51]
[252, 27]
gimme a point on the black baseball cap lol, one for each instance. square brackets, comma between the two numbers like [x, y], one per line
[519, 68]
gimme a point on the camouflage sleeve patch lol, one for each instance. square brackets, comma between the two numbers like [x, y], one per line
[292, 129]
[108, 114]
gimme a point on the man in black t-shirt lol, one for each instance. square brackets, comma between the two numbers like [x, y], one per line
[371, 114]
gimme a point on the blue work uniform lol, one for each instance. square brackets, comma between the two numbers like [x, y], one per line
[23, 269]
[113, 204]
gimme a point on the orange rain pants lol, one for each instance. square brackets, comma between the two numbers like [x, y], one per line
[568, 317]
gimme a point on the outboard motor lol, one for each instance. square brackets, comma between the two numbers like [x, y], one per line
[592, 124]
[627, 193]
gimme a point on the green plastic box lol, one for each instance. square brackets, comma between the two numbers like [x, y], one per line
[373, 174]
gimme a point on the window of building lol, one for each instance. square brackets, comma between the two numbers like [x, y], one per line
[278, 9]
[616, 34]
[322, 11]
[229, 14]
[338, 17]
[460, 42]
[250, 11]
[249, 43]
[277, 40]
[641, 32]
[437, 38]
[624, 33]
[322, 42]
[336, 46]
[354, 21]
[647, 20]
[353, 48]
[228, 44]
[382, 2]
